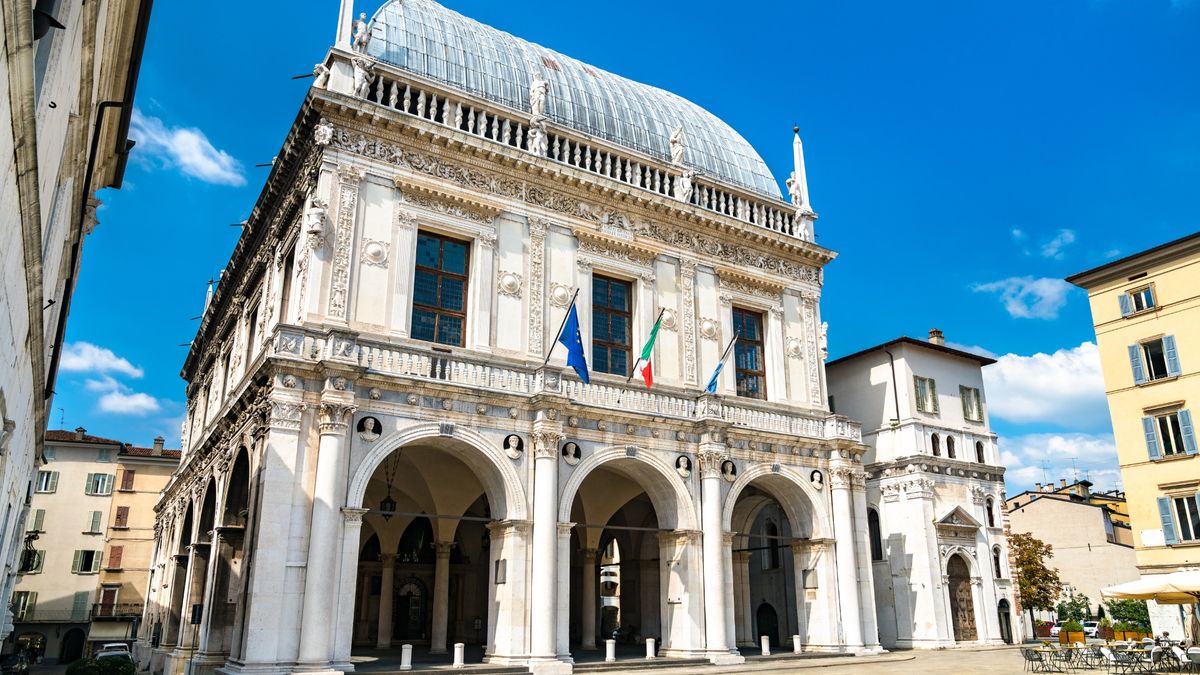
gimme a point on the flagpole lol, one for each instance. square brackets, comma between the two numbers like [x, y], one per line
[725, 354]
[560, 327]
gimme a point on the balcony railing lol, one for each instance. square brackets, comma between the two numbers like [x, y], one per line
[116, 610]
[478, 371]
[38, 615]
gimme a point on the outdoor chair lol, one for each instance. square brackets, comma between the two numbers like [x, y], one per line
[1179, 658]
[1093, 657]
[1034, 662]
[1120, 662]
[1193, 655]
[1152, 658]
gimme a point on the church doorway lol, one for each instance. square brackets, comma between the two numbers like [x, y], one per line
[962, 606]
[425, 546]
[1005, 621]
[768, 623]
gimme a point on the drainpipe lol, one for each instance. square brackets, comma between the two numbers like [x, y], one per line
[895, 391]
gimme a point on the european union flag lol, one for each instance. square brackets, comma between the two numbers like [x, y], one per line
[571, 339]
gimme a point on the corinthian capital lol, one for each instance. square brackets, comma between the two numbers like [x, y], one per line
[334, 417]
[545, 444]
[710, 463]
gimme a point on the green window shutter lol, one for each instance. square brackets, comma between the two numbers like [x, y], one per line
[1189, 432]
[95, 521]
[77, 562]
[37, 563]
[39, 517]
[933, 395]
[1168, 522]
[87, 487]
[920, 393]
[79, 610]
[964, 394]
[109, 481]
[53, 482]
[30, 602]
[1151, 438]
[1172, 355]
[96, 556]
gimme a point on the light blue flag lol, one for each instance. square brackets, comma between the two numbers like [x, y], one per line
[711, 387]
[571, 339]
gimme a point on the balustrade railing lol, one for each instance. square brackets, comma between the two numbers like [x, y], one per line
[555, 145]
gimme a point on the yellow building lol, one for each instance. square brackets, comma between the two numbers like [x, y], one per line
[1146, 310]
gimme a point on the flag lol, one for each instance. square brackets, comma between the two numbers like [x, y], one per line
[647, 352]
[569, 337]
[711, 387]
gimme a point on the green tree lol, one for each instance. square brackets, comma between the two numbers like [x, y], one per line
[1129, 611]
[1038, 584]
[1075, 608]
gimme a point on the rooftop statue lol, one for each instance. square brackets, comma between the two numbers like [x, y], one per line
[362, 34]
[538, 88]
[678, 146]
[320, 76]
[364, 75]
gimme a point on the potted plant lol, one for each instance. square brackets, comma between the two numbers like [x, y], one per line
[1120, 630]
[1041, 629]
[1106, 629]
[1071, 632]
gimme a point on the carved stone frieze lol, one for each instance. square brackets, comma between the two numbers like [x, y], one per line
[537, 282]
[687, 295]
[348, 186]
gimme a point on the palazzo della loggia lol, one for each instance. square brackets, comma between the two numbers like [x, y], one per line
[384, 444]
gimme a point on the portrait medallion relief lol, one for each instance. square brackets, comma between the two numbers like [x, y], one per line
[683, 465]
[571, 453]
[514, 445]
[369, 429]
[728, 470]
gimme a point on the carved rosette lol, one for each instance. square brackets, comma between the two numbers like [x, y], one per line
[545, 444]
[537, 281]
[334, 417]
[710, 463]
[348, 185]
[687, 282]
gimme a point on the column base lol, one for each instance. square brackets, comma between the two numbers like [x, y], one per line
[549, 666]
[725, 658]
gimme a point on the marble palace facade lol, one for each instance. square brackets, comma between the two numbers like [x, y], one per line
[376, 450]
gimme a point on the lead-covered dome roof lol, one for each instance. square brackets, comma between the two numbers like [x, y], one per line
[432, 41]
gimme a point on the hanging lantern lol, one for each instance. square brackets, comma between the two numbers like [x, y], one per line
[387, 507]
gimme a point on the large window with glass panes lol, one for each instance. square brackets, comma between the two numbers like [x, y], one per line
[440, 289]
[749, 354]
[612, 310]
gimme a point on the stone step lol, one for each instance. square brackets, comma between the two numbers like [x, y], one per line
[639, 664]
[471, 669]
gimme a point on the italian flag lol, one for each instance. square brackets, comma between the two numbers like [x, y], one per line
[648, 352]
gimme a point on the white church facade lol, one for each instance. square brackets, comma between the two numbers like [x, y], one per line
[384, 444]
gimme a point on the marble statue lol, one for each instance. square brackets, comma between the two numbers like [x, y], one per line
[685, 185]
[537, 141]
[537, 96]
[362, 33]
[320, 76]
[678, 146]
[794, 190]
[364, 75]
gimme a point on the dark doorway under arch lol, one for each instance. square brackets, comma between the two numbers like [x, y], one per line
[1005, 621]
[72, 646]
[768, 623]
[962, 605]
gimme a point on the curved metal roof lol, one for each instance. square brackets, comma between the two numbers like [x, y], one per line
[430, 40]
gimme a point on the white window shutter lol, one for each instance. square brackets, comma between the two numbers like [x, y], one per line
[53, 481]
[96, 556]
[87, 488]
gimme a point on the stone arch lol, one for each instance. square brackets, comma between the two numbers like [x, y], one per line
[502, 484]
[672, 492]
[782, 485]
[964, 553]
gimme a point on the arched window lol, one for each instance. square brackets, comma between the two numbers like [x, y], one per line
[950, 447]
[979, 452]
[996, 562]
[873, 530]
[770, 558]
[991, 516]
[936, 443]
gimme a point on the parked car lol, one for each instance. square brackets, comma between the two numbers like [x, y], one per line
[114, 647]
[122, 655]
[1056, 628]
[1091, 629]
[14, 664]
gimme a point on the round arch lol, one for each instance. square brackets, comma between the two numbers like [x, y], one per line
[502, 484]
[964, 553]
[782, 486]
[662, 495]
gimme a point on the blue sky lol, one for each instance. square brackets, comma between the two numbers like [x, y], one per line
[964, 157]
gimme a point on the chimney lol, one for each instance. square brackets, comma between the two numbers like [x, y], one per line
[1062, 482]
[936, 336]
[79, 432]
[1039, 487]
[158, 446]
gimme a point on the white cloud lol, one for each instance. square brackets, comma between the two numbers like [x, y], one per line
[1051, 457]
[973, 349]
[1029, 298]
[185, 148]
[102, 384]
[122, 403]
[84, 357]
[1055, 247]
[1065, 388]
[1112, 253]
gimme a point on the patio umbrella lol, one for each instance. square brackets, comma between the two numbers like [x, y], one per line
[1176, 588]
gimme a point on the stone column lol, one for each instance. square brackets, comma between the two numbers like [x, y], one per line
[590, 590]
[741, 581]
[563, 613]
[847, 568]
[441, 597]
[732, 588]
[387, 588]
[800, 563]
[320, 577]
[343, 636]
[544, 583]
[710, 457]
[866, 586]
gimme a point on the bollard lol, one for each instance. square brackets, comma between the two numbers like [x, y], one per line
[766, 645]
[795, 644]
[406, 657]
[610, 650]
[459, 651]
[649, 648]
